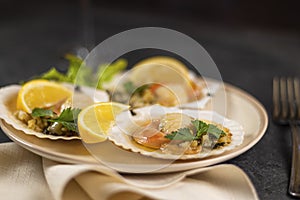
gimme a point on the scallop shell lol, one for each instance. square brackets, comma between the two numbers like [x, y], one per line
[125, 123]
[8, 98]
[209, 88]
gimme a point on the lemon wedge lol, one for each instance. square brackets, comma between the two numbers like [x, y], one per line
[41, 94]
[95, 121]
[160, 69]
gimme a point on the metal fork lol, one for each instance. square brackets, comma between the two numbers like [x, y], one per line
[286, 110]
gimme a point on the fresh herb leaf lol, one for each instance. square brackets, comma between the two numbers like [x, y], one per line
[215, 131]
[82, 74]
[141, 89]
[181, 134]
[68, 118]
[107, 72]
[67, 115]
[40, 112]
[201, 128]
[70, 76]
[74, 66]
[71, 126]
[129, 87]
[78, 72]
[53, 74]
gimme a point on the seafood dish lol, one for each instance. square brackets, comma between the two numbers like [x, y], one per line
[171, 133]
[159, 80]
[184, 133]
[56, 121]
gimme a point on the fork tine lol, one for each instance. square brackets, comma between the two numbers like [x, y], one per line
[286, 98]
[297, 96]
[276, 98]
[283, 97]
[291, 98]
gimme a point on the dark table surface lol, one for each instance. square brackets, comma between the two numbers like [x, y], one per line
[35, 38]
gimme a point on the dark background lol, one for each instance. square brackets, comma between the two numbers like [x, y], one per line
[239, 35]
[250, 41]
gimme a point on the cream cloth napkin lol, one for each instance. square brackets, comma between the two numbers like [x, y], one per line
[24, 175]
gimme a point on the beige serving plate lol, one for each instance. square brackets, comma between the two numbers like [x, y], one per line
[234, 103]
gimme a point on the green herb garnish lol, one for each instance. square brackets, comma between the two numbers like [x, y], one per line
[74, 66]
[55, 75]
[215, 131]
[141, 89]
[181, 134]
[107, 72]
[68, 118]
[78, 72]
[40, 112]
[201, 128]
[129, 87]
[68, 115]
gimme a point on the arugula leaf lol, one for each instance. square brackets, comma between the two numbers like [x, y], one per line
[107, 72]
[80, 73]
[40, 112]
[70, 75]
[74, 65]
[181, 134]
[53, 74]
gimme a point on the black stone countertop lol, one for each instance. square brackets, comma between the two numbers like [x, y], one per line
[35, 37]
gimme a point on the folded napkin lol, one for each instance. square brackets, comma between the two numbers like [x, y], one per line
[24, 175]
[21, 174]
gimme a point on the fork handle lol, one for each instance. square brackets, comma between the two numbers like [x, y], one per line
[294, 187]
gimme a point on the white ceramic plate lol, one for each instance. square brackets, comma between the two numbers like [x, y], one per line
[240, 107]
[120, 134]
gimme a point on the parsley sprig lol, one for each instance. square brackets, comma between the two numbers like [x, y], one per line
[68, 117]
[181, 134]
[202, 128]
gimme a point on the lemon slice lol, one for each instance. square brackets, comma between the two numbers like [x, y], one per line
[41, 94]
[95, 121]
[160, 69]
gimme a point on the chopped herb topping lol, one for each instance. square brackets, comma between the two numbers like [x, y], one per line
[67, 118]
[40, 112]
[181, 134]
[201, 128]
